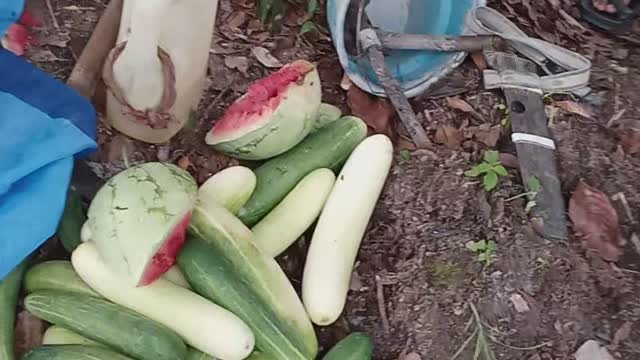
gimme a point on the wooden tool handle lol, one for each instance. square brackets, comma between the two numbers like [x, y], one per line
[86, 73]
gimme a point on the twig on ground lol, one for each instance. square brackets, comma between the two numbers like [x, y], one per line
[546, 343]
[53, 16]
[625, 204]
[465, 344]
[382, 305]
[215, 101]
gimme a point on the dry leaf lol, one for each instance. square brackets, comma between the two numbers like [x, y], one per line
[459, 104]
[596, 222]
[28, 333]
[519, 303]
[630, 140]
[237, 19]
[449, 136]
[574, 108]
[376, 112]
[237, 62]
[480, 61]
[591, 350]
[509, 160]
[41, 55]
[264, 56]
[345, 83]
[410, 356]
[485, 133]
[622, 334]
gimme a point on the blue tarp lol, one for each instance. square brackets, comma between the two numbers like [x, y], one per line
[45, 125]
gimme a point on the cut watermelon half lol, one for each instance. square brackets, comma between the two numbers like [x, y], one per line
[275, 114]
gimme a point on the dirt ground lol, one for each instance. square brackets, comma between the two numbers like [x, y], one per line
[416, 284]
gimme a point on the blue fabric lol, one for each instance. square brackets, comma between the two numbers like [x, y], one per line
[45, 125]
[10, 11]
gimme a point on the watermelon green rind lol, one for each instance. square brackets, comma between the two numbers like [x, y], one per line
[227, 268]
[55, 275]
[357, 346]
[293, 119]
[113, 325]
[134, 213]
[327, 148]
[73, 352]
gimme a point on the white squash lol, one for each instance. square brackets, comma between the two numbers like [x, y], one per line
[201, 323]
[341, 227]
[295, 213]
[231, 188]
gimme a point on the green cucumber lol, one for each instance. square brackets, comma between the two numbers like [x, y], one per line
[73, 352]
[113, 325]
[357, 346]
[56, 275]
[74, 216]
[327, 114]
[57, 335]
[229, 270]
[327, 148]
[295, 213]
[9, 289]
[194, 354]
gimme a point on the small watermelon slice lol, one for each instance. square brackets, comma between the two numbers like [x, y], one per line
[275, 114]
[138, 220]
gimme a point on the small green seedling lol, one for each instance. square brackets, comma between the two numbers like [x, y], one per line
[490, 170]
[505, 122]
[404, 155]
[484, 250]
[534, 187]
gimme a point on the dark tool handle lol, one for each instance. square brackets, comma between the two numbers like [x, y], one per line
[528, 117]
[393, 90]
[401, 41]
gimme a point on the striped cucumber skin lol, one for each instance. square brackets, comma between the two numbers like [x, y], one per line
[216, 278]
[9, 289]
[357, 346]
[56, 275]
[194, 354]
[73, 352]
[113, 325]
[329, 147]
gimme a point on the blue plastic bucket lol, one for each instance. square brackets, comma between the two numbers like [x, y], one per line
[415, 70]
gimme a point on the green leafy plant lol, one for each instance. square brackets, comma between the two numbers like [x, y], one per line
[490, 170]
[404, 156]
[505, 121]
[484, 250]
[534, 187]
[482, 348]
[274, 10]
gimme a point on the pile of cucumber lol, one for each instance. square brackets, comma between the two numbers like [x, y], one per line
[226, 298]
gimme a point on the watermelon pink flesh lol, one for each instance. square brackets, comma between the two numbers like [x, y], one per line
[262, 98]
[165, 258]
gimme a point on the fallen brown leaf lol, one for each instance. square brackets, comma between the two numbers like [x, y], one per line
[455, 102]
[480, 61]
[237, 19]
[376, 112]
[630, 141]
[449, 136]
[485, 133]
[509, 160]
[574, 108]
[595, 222]
[265, 58]
[410, 356]
[237, 62]
[28, 333]
[621, 335]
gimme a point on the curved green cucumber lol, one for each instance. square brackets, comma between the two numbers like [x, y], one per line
[113, 325]
[73, 352]
[357, 346]
[230, 271]
[9, 289]
[327, 114]
[57, 335]
[327, 148]
[56, 275]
